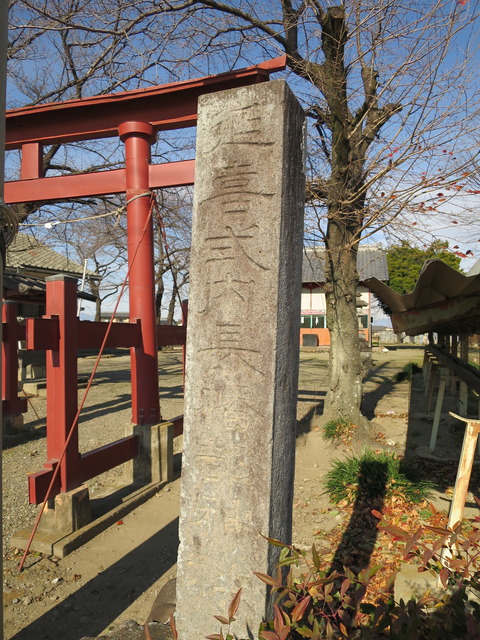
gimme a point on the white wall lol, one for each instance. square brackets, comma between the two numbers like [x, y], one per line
[313, 300]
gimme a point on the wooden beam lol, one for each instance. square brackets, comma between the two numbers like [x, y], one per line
[171, 174]
[460, 370]
[168, 106]
[430, 318]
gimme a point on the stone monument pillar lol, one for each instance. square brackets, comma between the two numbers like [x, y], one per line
[242, 353]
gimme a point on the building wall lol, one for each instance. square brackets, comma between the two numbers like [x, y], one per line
[313, 322]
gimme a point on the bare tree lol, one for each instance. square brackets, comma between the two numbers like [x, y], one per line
[389, 88]
[172, 246]
[95, 234]
[389, 91]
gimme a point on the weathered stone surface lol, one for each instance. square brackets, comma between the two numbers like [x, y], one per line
[242, 353]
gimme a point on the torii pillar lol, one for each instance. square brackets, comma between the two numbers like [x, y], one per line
[138, 137]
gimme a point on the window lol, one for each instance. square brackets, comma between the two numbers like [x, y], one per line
[318, 322]
[313, 322]
[363, 321]
[306, 322]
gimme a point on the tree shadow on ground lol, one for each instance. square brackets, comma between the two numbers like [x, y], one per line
[359, 538]
[171, 392]
[119, 403]
[35, 431]
[384, 386]
[94, 606]
[310, 396]
[304, 425]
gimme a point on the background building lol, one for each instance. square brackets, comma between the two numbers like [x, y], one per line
[371, 262]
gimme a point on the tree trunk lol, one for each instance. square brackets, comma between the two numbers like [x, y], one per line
[171, 305]
[159, 272]
[98, 309]
[95, 290]
[344, 394]
[158, 298]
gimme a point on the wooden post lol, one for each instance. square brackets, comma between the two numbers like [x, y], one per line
[438, 408]
[62, 380]
[464, 348]
[454, 346]
[464, 469]
[427, 366]
[431, 383]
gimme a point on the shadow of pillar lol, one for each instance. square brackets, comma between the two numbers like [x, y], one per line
[359, 538]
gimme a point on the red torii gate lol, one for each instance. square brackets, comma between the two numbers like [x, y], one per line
[134, 116]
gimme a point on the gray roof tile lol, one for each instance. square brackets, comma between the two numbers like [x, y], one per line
[26, 253]
[371, 262]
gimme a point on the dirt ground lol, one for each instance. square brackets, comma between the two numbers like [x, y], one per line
[115, 577]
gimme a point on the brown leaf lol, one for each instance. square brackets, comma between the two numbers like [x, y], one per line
[264, 577]
[232, 609]
[278, 621]
[300, 608]
[173, 627]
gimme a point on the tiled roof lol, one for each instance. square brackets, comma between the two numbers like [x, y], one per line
[19, 287]
[371, 262]
[26, 253]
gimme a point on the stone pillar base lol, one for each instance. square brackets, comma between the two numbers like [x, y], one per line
[67, 512]
[154, 462]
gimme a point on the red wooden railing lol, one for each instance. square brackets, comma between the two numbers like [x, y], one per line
[61, 334]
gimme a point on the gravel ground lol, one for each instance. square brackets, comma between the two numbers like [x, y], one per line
[105, 418]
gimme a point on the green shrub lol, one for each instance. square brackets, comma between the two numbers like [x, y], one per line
[372, 475]
[407, 372]
[340, 429]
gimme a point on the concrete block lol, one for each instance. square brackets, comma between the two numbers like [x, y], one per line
[67, 512]
[154, 462]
